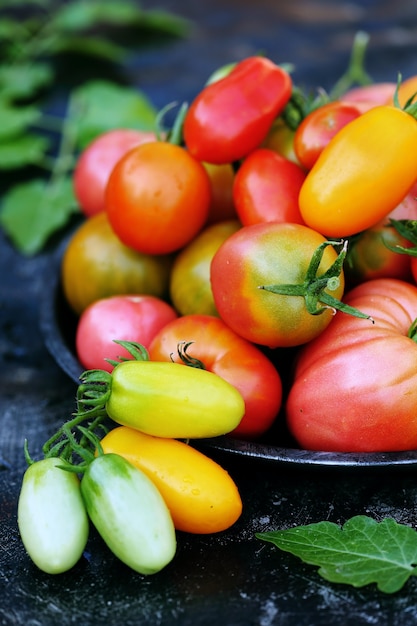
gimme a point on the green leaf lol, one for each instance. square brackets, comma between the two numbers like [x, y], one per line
[359, 553]
[160, 20]
[93, 46]
[125, 107]
[32, 211]
[24, 80]
[22, 151]
[14, 120]
[81, 15]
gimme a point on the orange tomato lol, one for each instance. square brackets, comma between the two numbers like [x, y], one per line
[201, 495]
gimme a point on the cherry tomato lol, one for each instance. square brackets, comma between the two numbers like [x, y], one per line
[157, 198]
[355, 387]
[269, 254]
[376, 93]
[362, 174]
[318, 127]
[266, 188]
[126, 317]
[200, 495]
[96, 265]
[219, 349]
[232, 116]
[96, 162]
[190, 287]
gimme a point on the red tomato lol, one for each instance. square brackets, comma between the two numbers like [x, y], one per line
[233, 115]
[236, 360]
[318, 127]
[355, 387]
[96, 162]
[157, 198]
[127, 317]
[269, 254]
[266, 188]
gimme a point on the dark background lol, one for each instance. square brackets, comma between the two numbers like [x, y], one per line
[231, 578]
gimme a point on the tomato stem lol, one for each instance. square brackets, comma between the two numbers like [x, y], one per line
[317, 300]
[355, 73]
[186, 358]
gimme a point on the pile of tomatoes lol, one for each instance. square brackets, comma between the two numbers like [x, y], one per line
[248, 248]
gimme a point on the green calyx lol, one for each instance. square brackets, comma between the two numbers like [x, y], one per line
[315, 288]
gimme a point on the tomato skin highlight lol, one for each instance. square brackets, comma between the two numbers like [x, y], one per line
[158, 198]
[170, 400]
[357, 180]
[266, 254]
[235, 359]
[266, 188]
[129, 513]
[233, 115]
[201, 496]
[52, 518]
[355, 387]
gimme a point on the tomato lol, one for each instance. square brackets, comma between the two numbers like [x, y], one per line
[166, 399]
[355, 387]
[190, 287]
[157, 198]
[220, 350]
[232, 116]
[96, 162]
[318, 127]
[376, 93]
[129, 513]
[51, 516]
[96, 264]
[362, 174]
[221, 180]
[406, 90]
[280, 139]
[266, 188]
[271, 254]
[126, 317]
[201, 496]
[369, 257]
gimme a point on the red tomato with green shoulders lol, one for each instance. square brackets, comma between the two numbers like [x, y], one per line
[266, 188]
[273, 254]
[220, 350]
[355, 386]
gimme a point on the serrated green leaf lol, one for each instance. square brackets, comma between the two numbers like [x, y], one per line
[16, 119]
[24, 80]
[103, 106]
[359, 553]
[22, 151]
[32, 211]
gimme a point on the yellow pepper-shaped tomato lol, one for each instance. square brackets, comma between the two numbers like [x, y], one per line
[362, 174]
[201, 496]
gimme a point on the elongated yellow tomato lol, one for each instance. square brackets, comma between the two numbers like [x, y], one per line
[362, 174]
[170, 400]
[201, 495]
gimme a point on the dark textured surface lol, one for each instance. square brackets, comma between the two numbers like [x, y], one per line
[231, 578]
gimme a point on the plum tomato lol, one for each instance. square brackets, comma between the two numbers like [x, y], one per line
[158, 198]
[126, 317]
[190, 288]
[266, 188]
[96, 162]
[96, 264]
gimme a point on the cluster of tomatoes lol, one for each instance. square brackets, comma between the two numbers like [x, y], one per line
[206, 252]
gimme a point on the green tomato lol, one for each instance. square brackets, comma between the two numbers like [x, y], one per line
[129, 513]
[52, 518]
